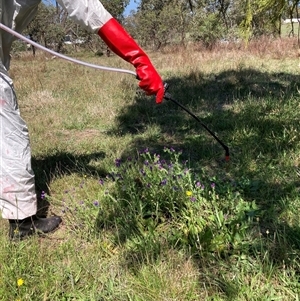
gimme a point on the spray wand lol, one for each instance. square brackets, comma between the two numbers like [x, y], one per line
[167, 95]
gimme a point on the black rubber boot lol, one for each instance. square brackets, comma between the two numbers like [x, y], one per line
[19, 229]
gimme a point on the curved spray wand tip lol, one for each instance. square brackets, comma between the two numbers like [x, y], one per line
[168, 96]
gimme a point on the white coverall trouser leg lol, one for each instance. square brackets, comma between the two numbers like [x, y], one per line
[17, 185]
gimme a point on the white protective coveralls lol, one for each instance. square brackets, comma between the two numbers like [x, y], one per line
[18, 198]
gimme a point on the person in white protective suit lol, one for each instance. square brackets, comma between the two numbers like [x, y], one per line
[18, 200]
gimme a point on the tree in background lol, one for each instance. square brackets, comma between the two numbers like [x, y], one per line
[269, 16]
[49, 26]
[52, 24]
[212, 22]
[162, 22]
[246, 24]
[292, 11]
[116, 8]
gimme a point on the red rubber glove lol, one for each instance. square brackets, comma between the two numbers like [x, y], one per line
[122, 44]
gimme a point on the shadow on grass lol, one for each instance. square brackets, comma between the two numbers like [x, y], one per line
[255, 114]
[59, 164]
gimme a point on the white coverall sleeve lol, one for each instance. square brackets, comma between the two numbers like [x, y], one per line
[90, 14]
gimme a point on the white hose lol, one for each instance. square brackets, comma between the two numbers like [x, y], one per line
[21, 37]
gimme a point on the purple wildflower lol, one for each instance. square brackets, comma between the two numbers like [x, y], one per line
[163, 182]
[96, 203]
[193, 199]
[198, 184]
[101, 182]
[213, 185]
[118, 162]
[43, 195]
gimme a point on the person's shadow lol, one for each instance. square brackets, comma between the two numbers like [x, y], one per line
[60, 164]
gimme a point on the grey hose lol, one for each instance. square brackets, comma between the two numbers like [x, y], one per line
[21, 37]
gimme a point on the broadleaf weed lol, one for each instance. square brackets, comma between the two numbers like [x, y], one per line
[206, 214]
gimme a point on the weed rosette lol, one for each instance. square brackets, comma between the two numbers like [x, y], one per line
[163, 200]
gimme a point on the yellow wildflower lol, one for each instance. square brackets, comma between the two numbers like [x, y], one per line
[20, 282]
[189, 193]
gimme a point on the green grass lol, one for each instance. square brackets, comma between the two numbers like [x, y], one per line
[123, 239]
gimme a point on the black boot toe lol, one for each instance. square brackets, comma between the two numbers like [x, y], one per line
[20, 229]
